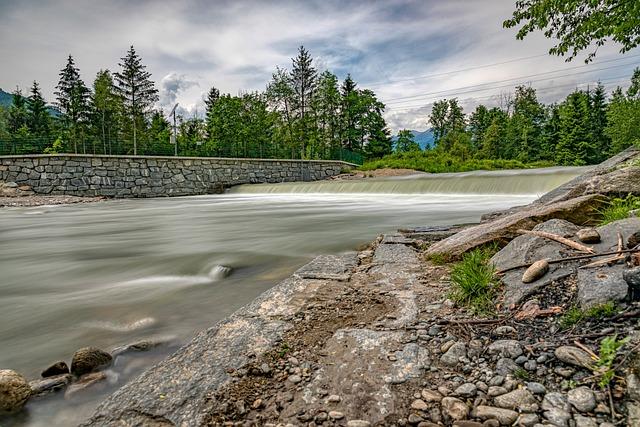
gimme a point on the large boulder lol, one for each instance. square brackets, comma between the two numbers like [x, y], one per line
[14, 391]
[89, 359]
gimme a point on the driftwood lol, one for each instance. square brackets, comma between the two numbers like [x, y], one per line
[563, 240]
[571, 258]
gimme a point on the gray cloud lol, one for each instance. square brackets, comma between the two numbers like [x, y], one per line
[191, 45]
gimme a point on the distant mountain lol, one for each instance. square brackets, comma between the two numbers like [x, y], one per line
[6, 99]
[424, 138]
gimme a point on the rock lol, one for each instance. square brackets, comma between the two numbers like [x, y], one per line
[582, 398]
[582, 421]
[49, 384]
[57, 368]
[334, 398]
[415, 419]
[496, 391]
[295, 378]
[465, 423]
[506, 366]
[88, 359]
[556, 409]
[632, 277]
[506, 348]
[431, 396]
[573, 356]
[491, 423]
[633, 414]
[505, 330]
[14, 391]
[419, 405]
[633, 387]
[84, 382]
[520, 399]
[335, 415]
[466, 390]
[577, 210]
[588, 235]
[601, 285]
[142, 345]
[358, 423]
[527, 420]
[454, 408]
[535, 271]
[454, 353]
[536, 388]
[633, 240]
[504, 416]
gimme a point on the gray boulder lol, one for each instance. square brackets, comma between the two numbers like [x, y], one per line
[14, 391]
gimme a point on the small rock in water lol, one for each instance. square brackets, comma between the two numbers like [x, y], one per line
[88, 359]
[535, 271]
[588, 235]
[57, 368]
[14, 391]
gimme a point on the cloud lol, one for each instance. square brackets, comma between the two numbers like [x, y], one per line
[425, 49]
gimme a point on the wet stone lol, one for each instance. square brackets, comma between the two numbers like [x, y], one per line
[14, 391]
[57, 368]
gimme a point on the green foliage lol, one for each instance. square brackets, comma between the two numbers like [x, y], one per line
[521, 374]
[618, 209]
[406, 142]
[438, 259]
[473, 281]
[576, 315]
[56, 147]
[577, 25]
[609, 348]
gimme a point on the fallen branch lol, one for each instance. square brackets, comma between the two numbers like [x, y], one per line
[563, 240]
[619, 256]
[572, 258]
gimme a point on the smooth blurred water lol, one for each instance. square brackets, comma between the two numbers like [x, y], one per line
[112, 272]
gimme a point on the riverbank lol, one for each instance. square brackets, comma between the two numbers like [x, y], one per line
[13, 195]
[374, 338]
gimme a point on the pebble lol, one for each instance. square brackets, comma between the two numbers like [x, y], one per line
[536, 388]
[582, 421]
[633, 387]
[520, 399]
[582, 398]
[466, 390]
[505, 330]
[496, 391]
[334, 398]
[506, 366]
[415, 419]
[506, 348]
[556, 409]
[521, 360]
[335, 415]
[504, 416]
[497, 380]
[527, 420]
[455, 408]
[358, 423]
[295, 379]
[588, 235]
[443, 390]
[454, 353]
[431, 395]
[573, 356]
[419, 405]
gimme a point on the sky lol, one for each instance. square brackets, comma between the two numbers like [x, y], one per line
[411, 53]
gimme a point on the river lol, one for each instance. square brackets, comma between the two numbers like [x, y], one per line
[110, 273]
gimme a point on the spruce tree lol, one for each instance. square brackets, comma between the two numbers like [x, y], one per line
[212, 96]
[303, 81]
[134, 85]
[350, 113]
[72, 98]
[38, 119]
[18, 113]
[601, 144]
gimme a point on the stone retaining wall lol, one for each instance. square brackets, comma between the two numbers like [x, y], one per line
[142, 176]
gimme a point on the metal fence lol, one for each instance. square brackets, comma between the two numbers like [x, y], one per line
[147, 148]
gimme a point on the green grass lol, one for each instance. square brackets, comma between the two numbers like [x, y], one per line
[439, 259]
[435, 162]
[618, 209]
[609, 348]
[521, 374]
[473, 281]
[576, 315]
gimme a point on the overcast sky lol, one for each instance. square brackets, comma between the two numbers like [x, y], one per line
[409, 52]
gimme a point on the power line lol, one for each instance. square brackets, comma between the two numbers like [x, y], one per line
[427, 76]
[522, 77]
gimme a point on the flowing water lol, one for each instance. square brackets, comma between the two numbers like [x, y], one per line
[114, 272]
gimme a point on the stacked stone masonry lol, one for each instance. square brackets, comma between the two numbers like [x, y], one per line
[139, 176]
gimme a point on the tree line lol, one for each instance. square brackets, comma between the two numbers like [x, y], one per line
[301, 114]
[585, 128]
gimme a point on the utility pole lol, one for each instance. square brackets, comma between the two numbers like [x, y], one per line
[174, 135]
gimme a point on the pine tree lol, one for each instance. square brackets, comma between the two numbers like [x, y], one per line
[38, 119]
[18, 113]
[303, 81]
[134, 85]
[601, 144]
[350, 132]
[212, 96]
[72, 98]
[575, 130]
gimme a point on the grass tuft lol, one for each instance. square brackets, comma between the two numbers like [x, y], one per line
[473, 281]
[618, 209]
[609, 348]
[576, 315]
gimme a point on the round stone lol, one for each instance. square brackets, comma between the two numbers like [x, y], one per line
[14, 391]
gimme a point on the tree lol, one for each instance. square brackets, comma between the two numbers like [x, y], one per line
[406, 142]
[578, 24]
[350, 132]
[134, 85]
[279, 96]
[601, 143]
[438, 119]
[303, 82]
[107, 106]
[326, 105]
[212, 96]
[525, 126]
[38, 117]
[446, 116]
[376, 138]
[623, 116]
[72, 98]
[18, 113]
[574, 139]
